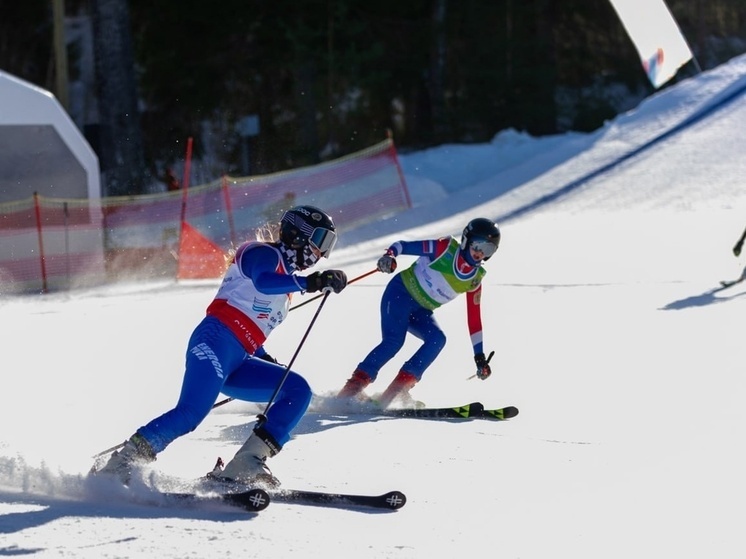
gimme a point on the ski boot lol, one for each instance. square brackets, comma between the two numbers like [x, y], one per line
[398, 389]
[136, 451]
[355, 385]
[249, 465]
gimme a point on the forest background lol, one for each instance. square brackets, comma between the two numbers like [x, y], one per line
[268, 86]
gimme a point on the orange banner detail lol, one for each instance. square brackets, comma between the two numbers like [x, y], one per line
[199, 257]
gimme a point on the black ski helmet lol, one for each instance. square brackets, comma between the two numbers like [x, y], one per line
[481, 229]
[307, 225]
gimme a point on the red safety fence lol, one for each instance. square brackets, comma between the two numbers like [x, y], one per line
[47, 243]
[357, 189]
[51, 244]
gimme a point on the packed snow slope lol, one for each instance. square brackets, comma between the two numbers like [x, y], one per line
[609, 336]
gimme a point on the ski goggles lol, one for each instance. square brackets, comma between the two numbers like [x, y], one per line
[323, 240]
[485, 246]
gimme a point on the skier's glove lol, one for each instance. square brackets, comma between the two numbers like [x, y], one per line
[483, 365]
[387, 263]
[737, 248]
[267, 357]
[330, 280]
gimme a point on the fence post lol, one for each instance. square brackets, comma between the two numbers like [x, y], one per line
[66, 214]
[392, 150]
[229, 211]
[37, 212]
[185, 188]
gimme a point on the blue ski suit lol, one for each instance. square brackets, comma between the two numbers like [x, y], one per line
[441, 273]
[225, 351]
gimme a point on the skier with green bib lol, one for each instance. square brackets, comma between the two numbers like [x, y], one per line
[445, 269]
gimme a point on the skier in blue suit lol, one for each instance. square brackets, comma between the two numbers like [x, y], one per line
[445, 268]
[226, 351]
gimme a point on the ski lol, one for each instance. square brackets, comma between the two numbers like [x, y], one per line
[475, 410]
[392, 500]
[236, 492]
[251, 500]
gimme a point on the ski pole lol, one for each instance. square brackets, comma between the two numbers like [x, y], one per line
[120, 445]
[290, 364]
[262, 416]
[353, 280]
[108, 450]
[287, 369]
[488, 360]
[739, 244]
[366, 274]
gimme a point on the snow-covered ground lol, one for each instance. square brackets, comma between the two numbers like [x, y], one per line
[600, 304]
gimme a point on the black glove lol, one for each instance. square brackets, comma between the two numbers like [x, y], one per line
[267, 357]
[483, 365]
[386, 264]
[330, 280]
[737, 248]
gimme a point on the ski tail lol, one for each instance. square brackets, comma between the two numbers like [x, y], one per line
[251, 500]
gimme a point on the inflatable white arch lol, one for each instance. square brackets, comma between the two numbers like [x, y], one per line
[41, 149]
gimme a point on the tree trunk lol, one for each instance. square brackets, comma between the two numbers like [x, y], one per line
[121, 154]
[438, 71]
[305, 77]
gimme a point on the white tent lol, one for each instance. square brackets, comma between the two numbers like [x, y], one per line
[41, 149]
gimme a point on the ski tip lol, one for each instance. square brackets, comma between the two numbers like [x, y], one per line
[500, 414]
[394, 499]
[510, 411]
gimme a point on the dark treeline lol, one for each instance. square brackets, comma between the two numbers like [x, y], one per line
[326, 78]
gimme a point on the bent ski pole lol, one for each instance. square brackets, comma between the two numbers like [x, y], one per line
[353, 280]
[120, 445]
